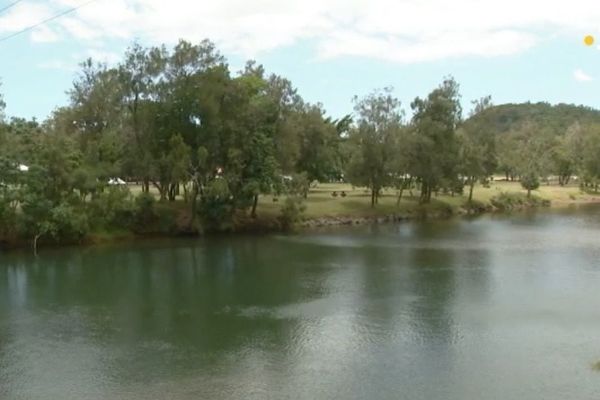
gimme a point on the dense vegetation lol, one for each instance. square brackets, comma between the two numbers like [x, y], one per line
[210, 142]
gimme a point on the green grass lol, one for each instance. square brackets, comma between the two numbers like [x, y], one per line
[357, 203]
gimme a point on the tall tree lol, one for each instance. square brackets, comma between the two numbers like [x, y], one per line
[435, 148]
[477, 153]
[379, 119]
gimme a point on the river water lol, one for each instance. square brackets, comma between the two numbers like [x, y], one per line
[499, 307]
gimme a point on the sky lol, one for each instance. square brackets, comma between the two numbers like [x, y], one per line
[332, 50]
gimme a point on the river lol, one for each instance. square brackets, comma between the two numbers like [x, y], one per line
[498, 307]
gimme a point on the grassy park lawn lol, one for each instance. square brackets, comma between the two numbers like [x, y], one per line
[321, 203]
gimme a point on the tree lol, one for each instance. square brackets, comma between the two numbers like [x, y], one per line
[318, 144]
[565, 156]
[379, 120]
[434, 152]
[477, 153]
[49, 205]
[533, 151]
[530, 180]
[590, 162]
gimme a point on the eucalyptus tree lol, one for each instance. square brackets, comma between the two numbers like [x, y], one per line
[434, 153]
[288, 103]
[533, 150]
[140, 73]
[379, 119]
[566, 154]
[318, 143]
[477, 152]
[251, 165]
[590, 162]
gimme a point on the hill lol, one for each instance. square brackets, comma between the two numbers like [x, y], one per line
[555, 118]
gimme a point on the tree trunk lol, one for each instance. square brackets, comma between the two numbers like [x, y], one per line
[146, 185]
[162, 190]
[185, 193]
[254, 204]
[400, 196]
[528, 193]
[193, 199]
[35, 240]
[172, 192]
[425, 193]
[471, 186]
[372, 198]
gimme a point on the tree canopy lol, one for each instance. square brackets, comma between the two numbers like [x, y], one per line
[211, 142]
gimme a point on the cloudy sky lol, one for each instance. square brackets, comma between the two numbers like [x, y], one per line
[515, 50]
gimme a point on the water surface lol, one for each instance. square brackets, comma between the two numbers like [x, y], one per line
[491, 308]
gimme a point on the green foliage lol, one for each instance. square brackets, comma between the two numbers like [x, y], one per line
[298, 185]
[212, 142]
[216, 208]
[114, 208]
[291, 212]
[62, 221]
[145, 213]
[512, 201]
[530, 181]
[502, 119]
[373, 141]
[434, 150]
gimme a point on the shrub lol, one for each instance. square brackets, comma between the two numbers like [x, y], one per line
[530, 181]
[511, 201]
[113, 208]
[216, 208]
[291, 212]
[145, 215]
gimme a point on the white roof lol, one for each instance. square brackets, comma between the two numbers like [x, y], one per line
[23, 168]
[116, 181]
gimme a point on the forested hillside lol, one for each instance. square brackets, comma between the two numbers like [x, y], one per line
[556, 118]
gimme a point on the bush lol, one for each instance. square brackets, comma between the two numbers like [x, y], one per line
[145, 215]
[291, 212]
[71, 222]
[530, 181]
[512, 201]
[216, 208]
[113, 208]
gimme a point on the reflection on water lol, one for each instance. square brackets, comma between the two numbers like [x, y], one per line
[492, 308]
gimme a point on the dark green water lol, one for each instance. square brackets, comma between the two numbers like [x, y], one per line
[493, 308]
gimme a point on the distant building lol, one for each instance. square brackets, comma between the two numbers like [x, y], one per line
[116, 182]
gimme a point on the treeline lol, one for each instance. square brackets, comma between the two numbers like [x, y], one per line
[211, 142]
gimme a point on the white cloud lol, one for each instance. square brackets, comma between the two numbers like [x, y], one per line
[61, 65]
[103, 56]
[581, 76]
[44, 34]
[402, 31]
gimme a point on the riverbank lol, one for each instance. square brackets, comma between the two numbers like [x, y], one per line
[341, 204]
